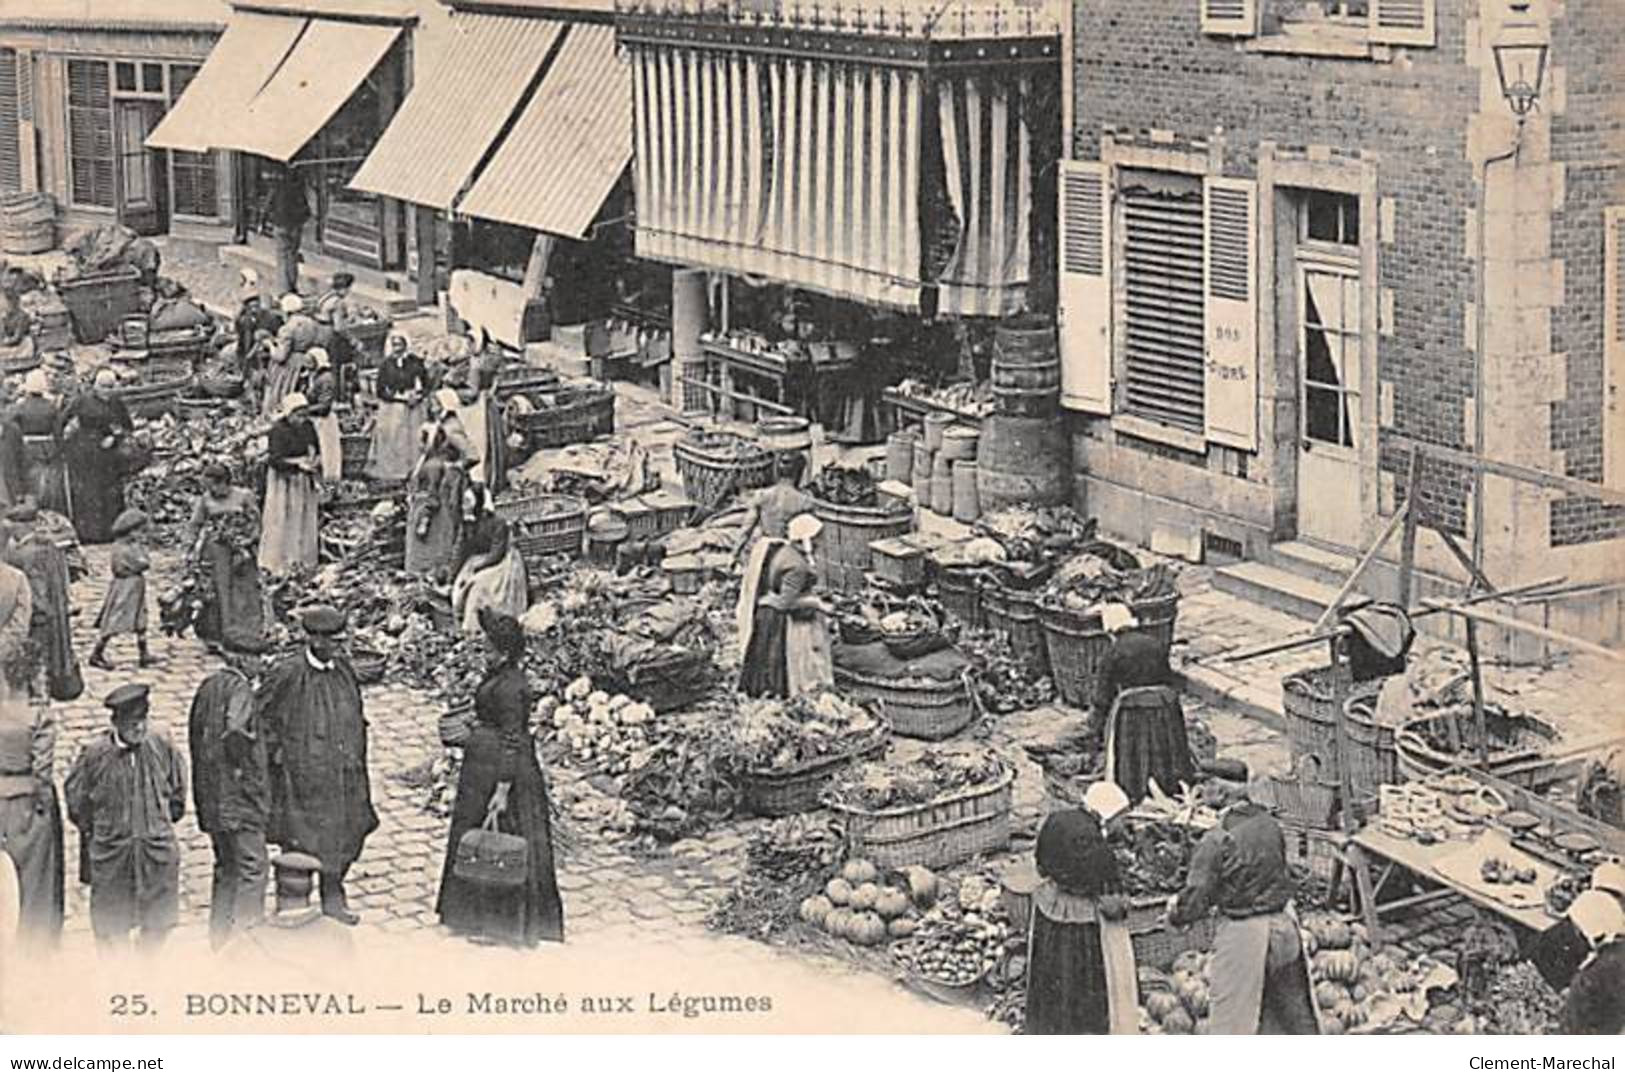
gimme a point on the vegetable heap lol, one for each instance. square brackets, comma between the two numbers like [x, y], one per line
[781, 735]
[960, 939]
[1153, 857]
[1037, 533]
[862, 906]
[785, 863]
[937, 773]
[1004, 682]
[845, 487]
[1090, 579]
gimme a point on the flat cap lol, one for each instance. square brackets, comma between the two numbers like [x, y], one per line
[128, 521]
[127, 696]
[343, 279]
[296, 863]
[323, 619]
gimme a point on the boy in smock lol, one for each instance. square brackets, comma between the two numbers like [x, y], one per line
[124, 610]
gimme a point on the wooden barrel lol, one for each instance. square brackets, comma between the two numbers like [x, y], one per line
[843, 545]
[1026, 367]
[959, 443]
[935, 424]
[27, 223]
[922, 474]
[1022, 460]
[785, 433]
[967, 505]
[900, 457]
[942, 484]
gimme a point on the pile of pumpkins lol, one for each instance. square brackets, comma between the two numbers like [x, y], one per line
[861, 906]
[1352, 984]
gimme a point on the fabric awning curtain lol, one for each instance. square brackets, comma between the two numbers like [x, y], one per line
[430, 150]
[217, 100]
[987, 168]
[321, 73]
[568, 148]
[806, 171]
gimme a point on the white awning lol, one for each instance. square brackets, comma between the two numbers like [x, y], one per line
[217, 100]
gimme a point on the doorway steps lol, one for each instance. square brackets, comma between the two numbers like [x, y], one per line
[1295, 578]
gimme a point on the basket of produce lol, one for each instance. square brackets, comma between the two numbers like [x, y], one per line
[959, 942]
[959, 590]
[563, 416]
[201, 409]
[19, 358]
[674, 679]
[368, 665]
[923, 708]
[950, 804]
[855, 515]
[355, 448]
[544, 525]
[220, 385]
[790, 750]
[368, 337]
[97, 304]
[715, 465]
[1516, 745]
[1013, 613]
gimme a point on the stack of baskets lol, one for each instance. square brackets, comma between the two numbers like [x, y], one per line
[544, 525]
[567, 415]
[775, 793]
[943, 832]
[714, 465]
[1076, 643]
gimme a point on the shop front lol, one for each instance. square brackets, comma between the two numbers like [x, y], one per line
[301, 93]
[851, 203]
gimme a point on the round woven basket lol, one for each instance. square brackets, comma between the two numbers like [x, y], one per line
[714, 465]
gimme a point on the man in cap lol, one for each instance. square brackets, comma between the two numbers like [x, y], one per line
[297, 934]
[1596, 1000]
[231, 791]
[316, 736]
[125, 793]
[48, 579]
[1260, 973]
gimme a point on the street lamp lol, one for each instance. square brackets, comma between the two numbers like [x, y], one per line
[1520, 64]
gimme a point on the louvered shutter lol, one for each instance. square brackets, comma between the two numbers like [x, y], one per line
[1613, 347]
[1230, 18]
[90, 134]
[1402, 22]
[1230, 286]
[1085, 306]
[11, 162]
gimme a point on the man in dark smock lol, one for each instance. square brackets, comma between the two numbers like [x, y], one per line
[316, 736]
[125, 794]
[232, 794]
[46, 568]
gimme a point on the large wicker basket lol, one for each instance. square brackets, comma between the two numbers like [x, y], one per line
[1517, 747]
[150, 400]
[944, 832]
[521, 379]
[1076, 642]
[922, 708]
[676, 679]
[959, 590]
[714, 465]
[790, 792]
[1311, 701]
[1014, 613]
[568, 416]
[552, 527]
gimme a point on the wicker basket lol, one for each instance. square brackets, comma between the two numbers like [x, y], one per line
[1516, 754]
[20, 358]
[1015, 614]
[368, 338]
[575, 415]
[919, 707]
[355, 448]
[456, 723]
[545, 525]
[790, 792]
[1158, 945]
[98, 303]
[1372, 756]
[520, 379]
[944, 832]
[959, 590]
[201, 409]
[368, 665]
[656, 514]
[1305, 798]
[1311, 701]
[678, 679]
[714, 465]
[1076, 642]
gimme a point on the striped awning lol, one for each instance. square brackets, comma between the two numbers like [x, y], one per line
[568, 147]
[326, 66]
[458, 108]
[806, 171]
[217, 100]
[987, 168]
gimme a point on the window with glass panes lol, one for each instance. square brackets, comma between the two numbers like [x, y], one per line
[193, 176]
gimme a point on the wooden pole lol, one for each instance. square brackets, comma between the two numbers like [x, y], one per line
[1407, 552]
[1478, 701]
[1365, 563]
[1489, 618]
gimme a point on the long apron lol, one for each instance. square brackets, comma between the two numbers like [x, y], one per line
[331, 445]
[289, 539]
[395, 441]
[1260, 976]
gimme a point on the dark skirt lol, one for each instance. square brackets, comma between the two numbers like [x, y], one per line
[96, 491]
[765, 670]
[518, 915]
[1066, 980]
[234, 612]
[1151, 743]
[34, 843]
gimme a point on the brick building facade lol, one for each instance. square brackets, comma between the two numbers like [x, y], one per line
[1278, 238]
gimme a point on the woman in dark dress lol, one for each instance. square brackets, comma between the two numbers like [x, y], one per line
[1075, 980]
[94, 427]
[500, 772]
[783, 624]
[226, 527]
[37, 420]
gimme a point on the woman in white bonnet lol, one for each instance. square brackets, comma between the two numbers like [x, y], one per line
[289, 539]
[783, 625]
[321, 393]
[37, 418]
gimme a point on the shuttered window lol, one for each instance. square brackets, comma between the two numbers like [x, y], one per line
[1085, 305]
[194, 176]
[90, 134]
[1163, 321]
[11, 161]
[1613, 347]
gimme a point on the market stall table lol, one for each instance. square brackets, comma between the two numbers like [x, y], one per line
[731, 373]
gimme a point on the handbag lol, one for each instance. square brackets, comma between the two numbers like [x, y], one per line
[488, 857]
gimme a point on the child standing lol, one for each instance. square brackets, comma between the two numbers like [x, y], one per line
[125, 608]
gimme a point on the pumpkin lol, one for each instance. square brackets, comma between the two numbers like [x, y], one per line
[1195, 997]
[1351, 1014]
[1178, 1022]
[1159, 1003]
[864, 896]
[1189, 961]
[1360, 933]
[839, 891]
[814, 909]
[922, 886]
[1328, 995]
[1340, 966]
[1151, 979]
[901, 928]
[859, 871]
[1331, 1025]
[1311, 944]
[1359, 992]
[891, 904]
[1334, 934]
[868, 929]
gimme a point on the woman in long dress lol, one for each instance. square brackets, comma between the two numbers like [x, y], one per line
[30, 815]
[402, 387]
[434, 527]
[473, 378]
[38, 419]
[289, 538]
[783, 625]
[225, 527]
[500, 771]
[1080, 958]
[94, 428]
[492, 576]
[322, 393]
